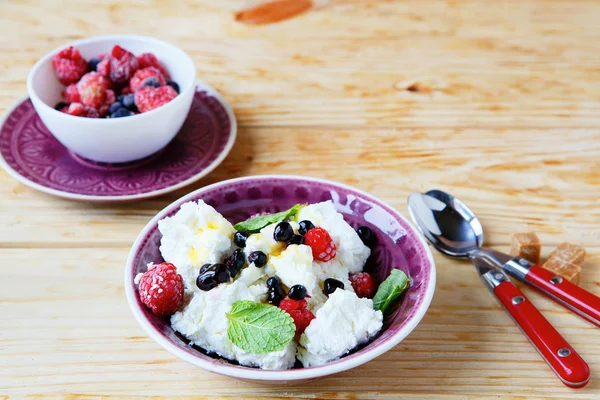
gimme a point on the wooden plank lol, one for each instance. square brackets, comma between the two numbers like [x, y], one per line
[515, 180]
[494, 102]
[72, 330]
[527, 77]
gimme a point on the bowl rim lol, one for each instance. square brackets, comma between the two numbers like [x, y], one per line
[94, 39]
[199, 85]
[275, 375]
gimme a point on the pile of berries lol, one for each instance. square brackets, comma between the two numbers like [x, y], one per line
[113, 85]
[294, 303]
[211, 275]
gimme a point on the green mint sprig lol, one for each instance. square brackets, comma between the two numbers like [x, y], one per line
[389, 290]
[259, 328]
[255, 224]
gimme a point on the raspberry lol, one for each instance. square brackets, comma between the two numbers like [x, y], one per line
[111, 97]
[91, 112]
[126, 90]
[363, 284]
[76, 109]
[79, 110]
[72, 94]
[69, 66]
[103, 67]
[323, 247]
[142, 74]
[302, 319]
[288, 304]
[123, 65]
[161, 289]
[150, 60]
[92, 89]
[149, 98]
[299, 313]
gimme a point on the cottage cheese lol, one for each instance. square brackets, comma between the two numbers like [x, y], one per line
[197, 234]
[294, 266]
[204, 322]
[341, 324]
[351, 252]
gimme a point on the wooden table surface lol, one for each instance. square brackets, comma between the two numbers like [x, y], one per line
[496, 102]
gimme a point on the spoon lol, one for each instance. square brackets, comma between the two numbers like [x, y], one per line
[453, 229]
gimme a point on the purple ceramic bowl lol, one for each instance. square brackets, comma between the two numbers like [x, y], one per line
[398, 246]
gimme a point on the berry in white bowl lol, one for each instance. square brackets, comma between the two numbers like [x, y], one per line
[149, 81]
[261, 301]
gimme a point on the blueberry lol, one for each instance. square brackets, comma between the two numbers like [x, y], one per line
[236, 262]
[121, 112]
[296, 239]
[258, 258]
[239, 239]
[174, 85]
[93, 63]
[366, 235]
[114, 107]
[204, 268]
[275, 296]
[305, 226]
[59, 106]
[276, 293]
[120, 98]
[283, 232]
[222, 273]
[129, 102]
[211, 275]
[330, 285]
[297, 292]
[152, 82]
[207, 279]
[273, 282]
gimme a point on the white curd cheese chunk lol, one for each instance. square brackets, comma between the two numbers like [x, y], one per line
[251, 274]
[197, 234]
[294, 267]
[351, 252]
[204, 322]
[341, 324]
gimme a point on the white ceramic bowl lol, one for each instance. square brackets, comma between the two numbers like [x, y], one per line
[398, 245]
[120, 139]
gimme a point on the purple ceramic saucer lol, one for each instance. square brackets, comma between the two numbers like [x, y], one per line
[398, 245]
[30, 153]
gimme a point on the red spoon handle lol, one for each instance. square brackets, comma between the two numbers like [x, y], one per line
[560, 356]
[565, 293]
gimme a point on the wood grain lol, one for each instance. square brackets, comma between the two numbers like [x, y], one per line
[497, 103]
[72, 329]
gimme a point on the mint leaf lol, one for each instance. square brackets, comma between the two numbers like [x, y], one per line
[393, 286]
[255, 224]
[259, 328]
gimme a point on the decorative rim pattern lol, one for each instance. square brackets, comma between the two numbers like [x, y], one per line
[30, 153]
[236, 199]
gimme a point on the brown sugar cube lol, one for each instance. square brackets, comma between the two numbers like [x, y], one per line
[568, 271]
[569, 253]
[526, 245]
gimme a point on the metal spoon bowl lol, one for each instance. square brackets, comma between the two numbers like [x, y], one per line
[446, 222]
